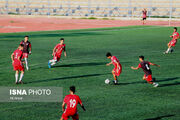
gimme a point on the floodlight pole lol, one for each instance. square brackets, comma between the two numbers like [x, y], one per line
[49, 7]
[129, 7]
[89, 7]
[27, 7]
[6, 5]
[150, 7]
[109, 6]
[170, 12]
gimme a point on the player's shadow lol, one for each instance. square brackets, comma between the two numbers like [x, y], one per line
[160, 117]
[64, 78]
[82, 64]
[170, 84]
[161, 85]
[168, 79]
[73, 34]
[138, 82]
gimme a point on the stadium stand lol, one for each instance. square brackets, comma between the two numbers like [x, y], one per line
[97, 8]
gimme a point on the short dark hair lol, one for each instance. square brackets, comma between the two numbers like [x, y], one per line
[62, 39]
[21, 45]
[73, 89]
[175, 28]
[108, 54]
[142, 57]
[26, 36]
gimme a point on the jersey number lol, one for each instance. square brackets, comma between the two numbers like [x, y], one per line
[72, 103]
[16, 56]
[147, 67]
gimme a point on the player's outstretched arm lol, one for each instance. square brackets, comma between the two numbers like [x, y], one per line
[63, 106]
[134, 68]
[30, 47]
[109, 63]
[12, 57]
[54, 50]
[82, 106]
[154, 64]
[65, 53]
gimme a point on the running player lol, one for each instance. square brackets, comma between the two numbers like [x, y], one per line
[71, 102]
[144, 16]
[145, 65]
[17, 63]
[27, 50]
[172, 43]
[57, 51]
[117, 67]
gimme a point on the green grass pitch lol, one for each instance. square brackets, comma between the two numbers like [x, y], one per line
[85, 68]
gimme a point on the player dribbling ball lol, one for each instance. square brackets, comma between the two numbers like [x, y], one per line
[117, 67]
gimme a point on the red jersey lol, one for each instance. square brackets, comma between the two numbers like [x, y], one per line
[17, 54]
[72, 101]
[115, 61]
[59, 48]
[175, 35]
[144, 14]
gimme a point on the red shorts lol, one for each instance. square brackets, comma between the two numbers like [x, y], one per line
[148, 77]
[172, 43]
[25, 55]
[57, 57]
[117, 71]
[68, 114]
[18, 66]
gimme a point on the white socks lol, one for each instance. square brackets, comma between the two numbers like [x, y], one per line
[16, 77]
[53, 62]
[26, 61]
[21, 76]
[169, 49]
[20, 79]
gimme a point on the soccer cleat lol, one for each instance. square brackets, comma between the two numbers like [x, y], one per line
[171, 51]
[49, 64]
[153, 79]
[165, 53]
[115, 82]
[156, 85]
[20, 82]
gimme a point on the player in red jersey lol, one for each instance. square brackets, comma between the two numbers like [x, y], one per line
[145, 65]
[144, 16]
[17, 63]
[172, 43]
[117, 67]
[27, 50]
[71, 101]
[57, 51]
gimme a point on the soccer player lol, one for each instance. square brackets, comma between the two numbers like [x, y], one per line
[27, 50]
[172, 43]
[71, 101]
[17, 63]
[57, 51]
[117, 67]
[145, 65]
[144, 16]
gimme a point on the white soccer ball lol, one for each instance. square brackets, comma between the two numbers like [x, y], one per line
[107, 81]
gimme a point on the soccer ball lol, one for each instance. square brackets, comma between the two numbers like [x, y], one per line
[107, 81]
